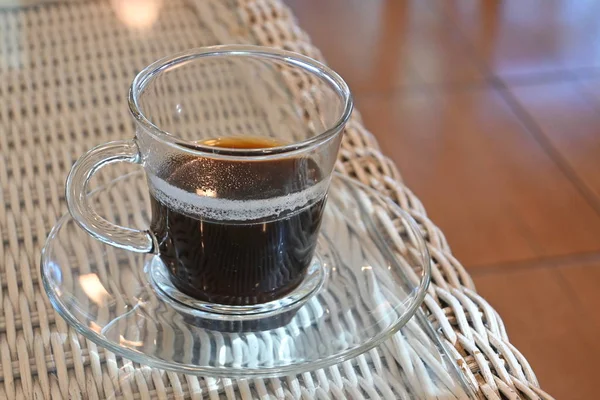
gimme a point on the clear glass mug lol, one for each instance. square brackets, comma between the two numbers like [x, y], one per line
[238, 144]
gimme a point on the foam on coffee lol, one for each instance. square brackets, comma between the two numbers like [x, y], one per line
[206, 205]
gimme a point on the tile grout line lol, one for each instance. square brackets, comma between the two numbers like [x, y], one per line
[540, 137]
[566, 261]
[490, 81]
[424, 88]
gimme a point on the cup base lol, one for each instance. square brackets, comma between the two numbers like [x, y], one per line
[313, 281]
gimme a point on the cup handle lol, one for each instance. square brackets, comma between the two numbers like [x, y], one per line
[78, 199]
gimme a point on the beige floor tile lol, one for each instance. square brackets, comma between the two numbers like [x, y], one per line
[380, 45]
[484, 179]
[515, 37]
[583, 281]
[568, 117]
[548, 326]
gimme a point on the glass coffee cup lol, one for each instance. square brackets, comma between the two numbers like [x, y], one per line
[238, 144]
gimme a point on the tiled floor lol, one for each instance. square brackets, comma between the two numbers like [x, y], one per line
[491, 109]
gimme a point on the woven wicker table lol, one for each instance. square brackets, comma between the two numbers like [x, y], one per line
[64, 71]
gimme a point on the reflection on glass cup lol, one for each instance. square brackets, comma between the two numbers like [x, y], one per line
[238, 144]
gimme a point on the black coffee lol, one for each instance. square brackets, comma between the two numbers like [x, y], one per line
[237, 240]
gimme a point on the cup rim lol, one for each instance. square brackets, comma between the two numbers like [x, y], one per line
[144, 77]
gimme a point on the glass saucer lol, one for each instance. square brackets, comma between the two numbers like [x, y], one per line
[373, 271]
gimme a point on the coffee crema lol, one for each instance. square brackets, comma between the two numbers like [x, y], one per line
[237, 232]
[243, 142]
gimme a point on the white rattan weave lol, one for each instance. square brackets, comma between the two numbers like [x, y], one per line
[64, 72]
